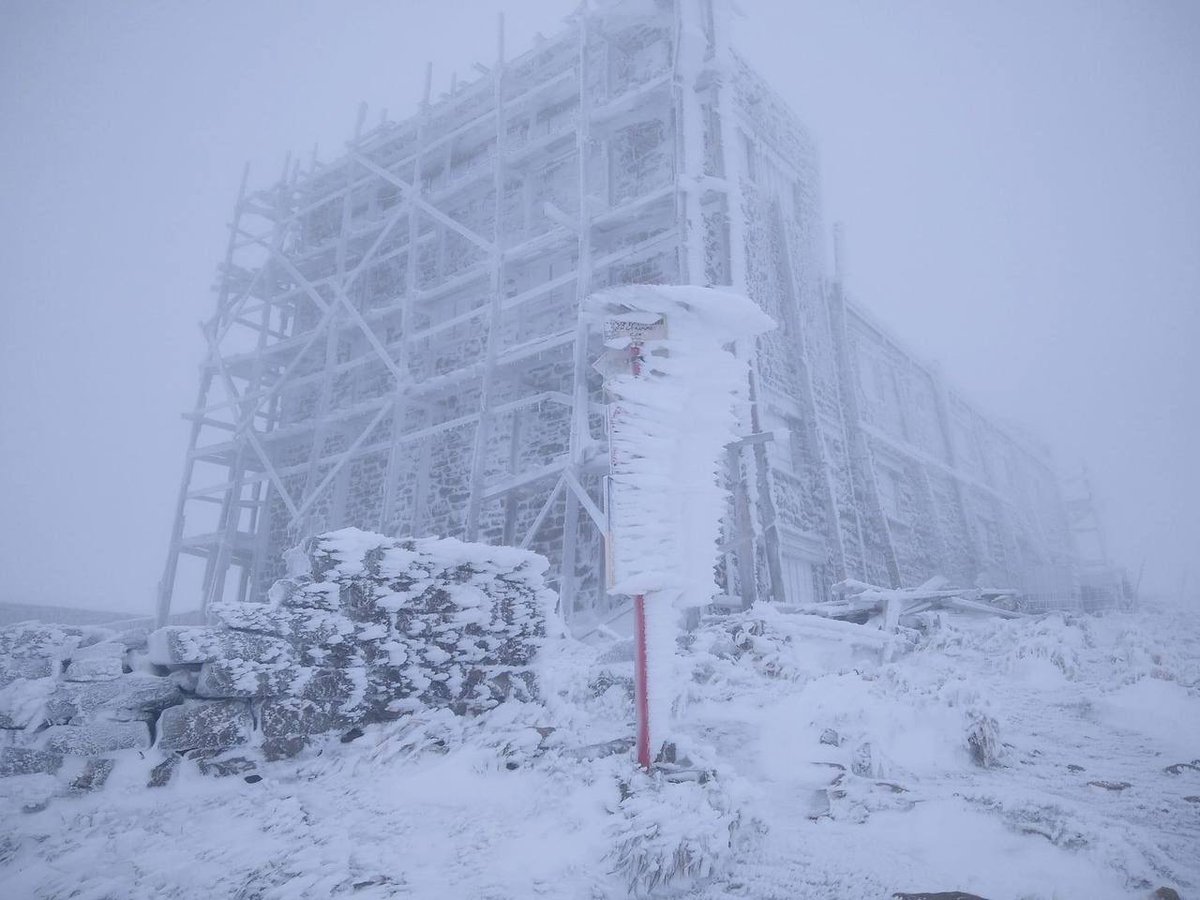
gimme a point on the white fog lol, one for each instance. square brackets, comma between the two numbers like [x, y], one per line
[622, 448]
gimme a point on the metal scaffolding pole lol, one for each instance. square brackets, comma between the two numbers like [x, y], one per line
[492, 340]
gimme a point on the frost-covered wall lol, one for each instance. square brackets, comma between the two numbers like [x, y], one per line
[75, 693]
[877, 470]
[961, 496]
[366, 629]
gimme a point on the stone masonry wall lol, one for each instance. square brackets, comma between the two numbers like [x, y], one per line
[365, 629]
[75, 693]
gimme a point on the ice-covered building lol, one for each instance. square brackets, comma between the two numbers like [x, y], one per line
[397, 344]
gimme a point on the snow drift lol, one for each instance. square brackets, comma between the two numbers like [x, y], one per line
[833, 775]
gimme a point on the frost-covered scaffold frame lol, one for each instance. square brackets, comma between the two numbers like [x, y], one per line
[397, 344]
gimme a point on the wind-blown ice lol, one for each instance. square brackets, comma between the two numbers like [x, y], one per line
[668, 431]
[670, 428]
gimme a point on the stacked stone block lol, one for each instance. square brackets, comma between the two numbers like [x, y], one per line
[382, 626]
[73, 692]
[366, 629]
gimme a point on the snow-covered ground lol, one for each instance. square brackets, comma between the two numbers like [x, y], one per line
[843, 777]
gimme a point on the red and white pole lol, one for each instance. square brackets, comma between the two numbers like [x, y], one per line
[641, 675]
[641, 685]
[634, 364]
[662, 532]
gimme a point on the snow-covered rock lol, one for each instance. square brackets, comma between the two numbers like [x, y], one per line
[177, 645]
[98, 668]
[26, 667]
[204, 725]
[288, 723]
[411, 623]
[28, 761]
[93, 777]
[226, 678]
[96, 738]
[26, 640]
[135, 695]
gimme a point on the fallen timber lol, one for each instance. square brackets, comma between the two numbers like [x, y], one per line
[860, 602]
[894, 611]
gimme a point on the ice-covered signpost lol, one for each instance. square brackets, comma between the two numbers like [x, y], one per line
[676, 382]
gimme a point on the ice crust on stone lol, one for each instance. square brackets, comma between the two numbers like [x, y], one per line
[96, 738]
[205, 725]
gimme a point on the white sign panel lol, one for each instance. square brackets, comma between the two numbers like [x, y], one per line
[612, 363]
[635, 328]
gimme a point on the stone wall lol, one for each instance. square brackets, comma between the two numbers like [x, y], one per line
[75, 692]
[365, 629]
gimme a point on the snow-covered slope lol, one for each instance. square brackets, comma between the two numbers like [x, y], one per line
[835, 777]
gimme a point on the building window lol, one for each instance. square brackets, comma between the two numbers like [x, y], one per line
[751, 157]
[873, 376]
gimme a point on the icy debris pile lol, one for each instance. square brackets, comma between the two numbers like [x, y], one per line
[727, 653]
[73, 692]
[983, 741]
[367, 628]
[672, 836]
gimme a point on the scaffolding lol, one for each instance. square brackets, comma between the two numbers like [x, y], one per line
[397, 344]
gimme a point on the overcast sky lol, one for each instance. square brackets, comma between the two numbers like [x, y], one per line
[1019, 183]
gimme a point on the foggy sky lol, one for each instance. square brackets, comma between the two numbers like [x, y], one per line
[1019, 183]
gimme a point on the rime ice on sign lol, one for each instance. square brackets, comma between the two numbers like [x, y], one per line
[674, 412]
